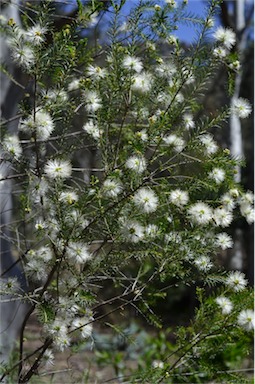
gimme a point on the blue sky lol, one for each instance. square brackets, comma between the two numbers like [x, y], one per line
[184, 32]
[187, 33]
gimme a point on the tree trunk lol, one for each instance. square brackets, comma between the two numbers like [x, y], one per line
[12, 312]
[235, 123]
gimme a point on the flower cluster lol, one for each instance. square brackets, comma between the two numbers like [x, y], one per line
[130, 172]
[236, 282]
[39, 123]
[146, 200]
[39, 262]
[136, 164]
[12, 147]
[112, 188]
[92, 129]
[23, 43]
[225, 36]
[58, 169]
[78, 252]
[241, 107]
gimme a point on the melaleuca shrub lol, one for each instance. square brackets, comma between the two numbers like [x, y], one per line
[115, 169]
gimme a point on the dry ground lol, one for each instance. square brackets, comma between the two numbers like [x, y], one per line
[69, 367]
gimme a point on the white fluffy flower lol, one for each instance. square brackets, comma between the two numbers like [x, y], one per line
[123, 28]
[236, 281]
[247, 197]
[66, 306]
[61, 342]
[150, 46]
[112, 188]
[92, 129]
[39, 190]
[146, 199]
[143, 135]
[36, 269]
[228, 201]
[132, 231]
[234, 192]
[200, 213]
[40, 225]
[166, 69]
[78, 220]
[188, 121]
[12, 145]
[247, 210]
[43, 253]
[142, 82]
[152, 119]
[218, 175]
[78, 252]
[171, 3]
[27, 125]
[58, 326]
[36, 34]
[132, 63]
[224, 241]
[23, 55]
[9, 285]
[173, 40]
[173, 237]
[246, 202]
[210, 145]
[220, 52]
[235, 65]
[222, 217]
[241, 108]
[246, 319]
[158, 364]
[54, 96]
[209, 22]
[58, 169]
[136, 164]
[59, 332]
[96, 72]
[74, 85]
[48, 358]
[164, 98]
[82, 325]
[203, 263]
[226, 36]
[143, 112]
[225, 304]
[92, 100]
[68, 197]
[151, 231]
[177, 142]
[179, 197]
[42, 124]
[16, 37]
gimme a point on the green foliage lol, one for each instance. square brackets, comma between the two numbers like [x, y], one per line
[125, 196]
